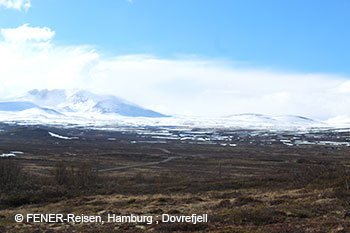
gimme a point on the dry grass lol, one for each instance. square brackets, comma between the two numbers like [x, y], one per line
[244, 189]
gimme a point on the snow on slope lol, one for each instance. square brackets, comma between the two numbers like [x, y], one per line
[21, 106]
[295, 119]
[83, 108]
[85, 101]
[61, 137]
[339, 121]
[110, 121]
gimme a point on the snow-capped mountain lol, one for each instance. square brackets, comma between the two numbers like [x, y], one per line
[84, 108]
[293, 118]
[66, 102]
[282, 119]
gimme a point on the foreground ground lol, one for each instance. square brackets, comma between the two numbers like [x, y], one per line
[246, 181]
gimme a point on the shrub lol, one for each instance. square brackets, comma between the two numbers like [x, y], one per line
[10, 173]
[82, 175]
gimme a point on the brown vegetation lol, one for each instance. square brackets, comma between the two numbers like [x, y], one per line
[248, 188]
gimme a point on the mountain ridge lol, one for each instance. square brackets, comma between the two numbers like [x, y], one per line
[68, 101]
[81, 107]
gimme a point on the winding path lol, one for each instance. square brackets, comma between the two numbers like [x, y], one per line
[143, 164]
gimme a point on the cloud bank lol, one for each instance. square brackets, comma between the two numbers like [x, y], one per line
[15, 4]
[30, 59]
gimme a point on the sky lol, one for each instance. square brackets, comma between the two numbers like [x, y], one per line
[191, 57]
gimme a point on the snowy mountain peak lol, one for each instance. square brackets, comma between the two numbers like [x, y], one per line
[77, 106]
[82, 101]
[45, 97]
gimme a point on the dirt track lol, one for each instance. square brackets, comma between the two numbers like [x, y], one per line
[143, 164]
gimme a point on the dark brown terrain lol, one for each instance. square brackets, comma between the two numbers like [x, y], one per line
[245, 180]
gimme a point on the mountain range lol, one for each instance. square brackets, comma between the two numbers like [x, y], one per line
[84, 108]
[64, 102]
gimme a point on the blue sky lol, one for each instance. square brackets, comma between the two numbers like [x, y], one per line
[305, 35]
[184, 56]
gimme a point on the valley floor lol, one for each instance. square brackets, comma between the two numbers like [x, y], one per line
[261, 184]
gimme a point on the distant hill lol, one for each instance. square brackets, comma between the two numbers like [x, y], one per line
[81, 101]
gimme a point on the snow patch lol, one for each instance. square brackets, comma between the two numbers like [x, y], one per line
[61, 137]
[7, 155]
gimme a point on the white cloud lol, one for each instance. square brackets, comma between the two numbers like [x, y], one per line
[29, 59]
[345, 87]
[16, 4]
[26, 33]
[182, 86]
